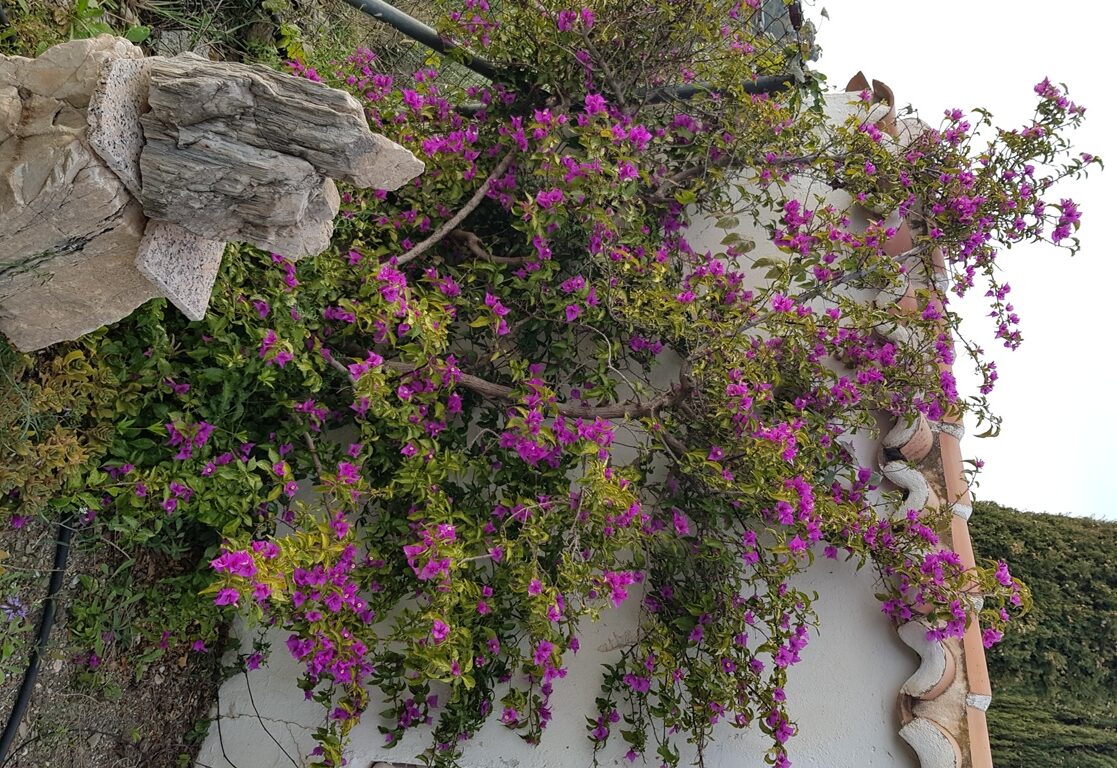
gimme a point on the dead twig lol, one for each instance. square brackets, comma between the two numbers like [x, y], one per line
[451, 224]
[477, 248]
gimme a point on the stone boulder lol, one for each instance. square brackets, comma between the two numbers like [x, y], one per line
[238, 152]
[122, 178]
[69, 227]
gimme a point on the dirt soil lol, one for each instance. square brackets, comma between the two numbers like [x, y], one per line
[92, 718]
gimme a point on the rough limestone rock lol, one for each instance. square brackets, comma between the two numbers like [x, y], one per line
[68, 225]
[239, 152]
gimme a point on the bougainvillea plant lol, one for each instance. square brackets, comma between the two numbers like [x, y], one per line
[523, 397]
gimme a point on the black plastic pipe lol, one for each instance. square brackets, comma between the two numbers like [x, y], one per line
[46, 622]
[420, 32]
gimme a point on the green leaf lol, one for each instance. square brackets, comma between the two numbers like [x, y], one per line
[138, 34]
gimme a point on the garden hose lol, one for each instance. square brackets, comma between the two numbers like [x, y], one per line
[46, 622]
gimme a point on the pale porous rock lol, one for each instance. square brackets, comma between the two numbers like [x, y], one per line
[68, 225]
[239, 152]
[183, 265]
[114, 117]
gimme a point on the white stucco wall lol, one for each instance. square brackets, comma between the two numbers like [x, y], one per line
[843, 695]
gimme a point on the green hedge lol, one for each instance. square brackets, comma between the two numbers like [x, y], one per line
[1055, 676]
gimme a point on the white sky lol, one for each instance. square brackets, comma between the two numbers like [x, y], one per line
[1055, 451]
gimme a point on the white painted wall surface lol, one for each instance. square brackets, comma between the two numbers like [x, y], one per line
[843, 694]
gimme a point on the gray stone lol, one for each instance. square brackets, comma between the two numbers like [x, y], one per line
[171, 42]
[69, 227]
[278, 112]
[182, 265]
[235, 152]
[114, 117]
[221, 189]
[69, 71]
[99, 145]
[10, 107]
[98, 285]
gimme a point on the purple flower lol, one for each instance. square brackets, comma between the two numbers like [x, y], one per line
[680, 522]
[566, 20]
[638, 683]
[550, 198]
[269, 341]
[595, 103]
[618, 583]
[781, 303]
[236, 562]
[543, 652]
[14, 608]
[439, 630]
[348, 473]
[227, 596]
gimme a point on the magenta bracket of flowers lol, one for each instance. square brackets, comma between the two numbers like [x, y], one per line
[485, 334]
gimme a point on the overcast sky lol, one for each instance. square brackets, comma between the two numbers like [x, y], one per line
[1055, 451]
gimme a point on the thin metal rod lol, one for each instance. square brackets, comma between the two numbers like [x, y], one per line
[420, 32]
[765, 84]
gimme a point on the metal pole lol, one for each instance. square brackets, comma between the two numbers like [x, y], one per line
[765, 84]
[420, 32]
